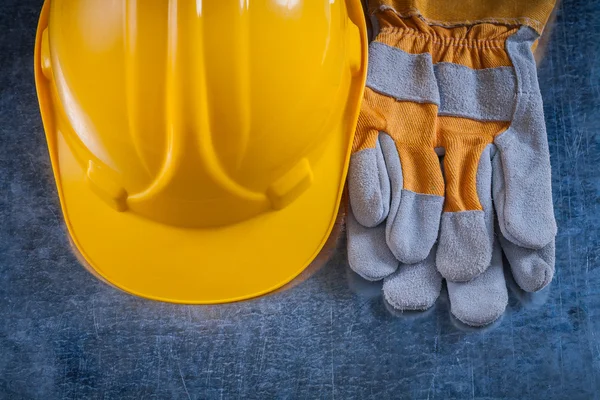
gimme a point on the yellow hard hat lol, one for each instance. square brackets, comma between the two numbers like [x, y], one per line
[200, 147]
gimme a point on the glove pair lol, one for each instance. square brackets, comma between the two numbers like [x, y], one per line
[451, 129]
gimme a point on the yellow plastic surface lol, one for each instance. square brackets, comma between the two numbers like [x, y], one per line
[200, 148]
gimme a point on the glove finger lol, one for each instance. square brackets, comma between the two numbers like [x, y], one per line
[466, 237]
[475, 106]
[368, 253]
[403, 86]
[369, 186]
[368, 181]
[415, 286]
[413, 220]
[528, 300]
[532, 269]
[522, 182]
[482, 300]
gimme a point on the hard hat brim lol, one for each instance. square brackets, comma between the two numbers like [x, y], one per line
[196, 266]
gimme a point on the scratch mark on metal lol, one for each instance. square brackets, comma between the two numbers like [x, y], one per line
[262, 355]
[472, 381]
[94, 318]
[331, 346]
[183, 381]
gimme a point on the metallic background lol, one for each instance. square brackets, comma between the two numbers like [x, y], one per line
[64, 334]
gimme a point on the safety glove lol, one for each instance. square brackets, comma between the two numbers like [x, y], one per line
[469, 93]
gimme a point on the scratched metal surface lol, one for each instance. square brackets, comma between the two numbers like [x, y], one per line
[64, 334]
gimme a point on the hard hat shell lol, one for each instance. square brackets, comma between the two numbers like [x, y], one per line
[200, 148]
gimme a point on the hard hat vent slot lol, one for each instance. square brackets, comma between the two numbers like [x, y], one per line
[290, 186]
[99, 178]
[45, 55]
[354, 48]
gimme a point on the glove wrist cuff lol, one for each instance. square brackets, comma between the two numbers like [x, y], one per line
[480, 46]
[454, 13]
